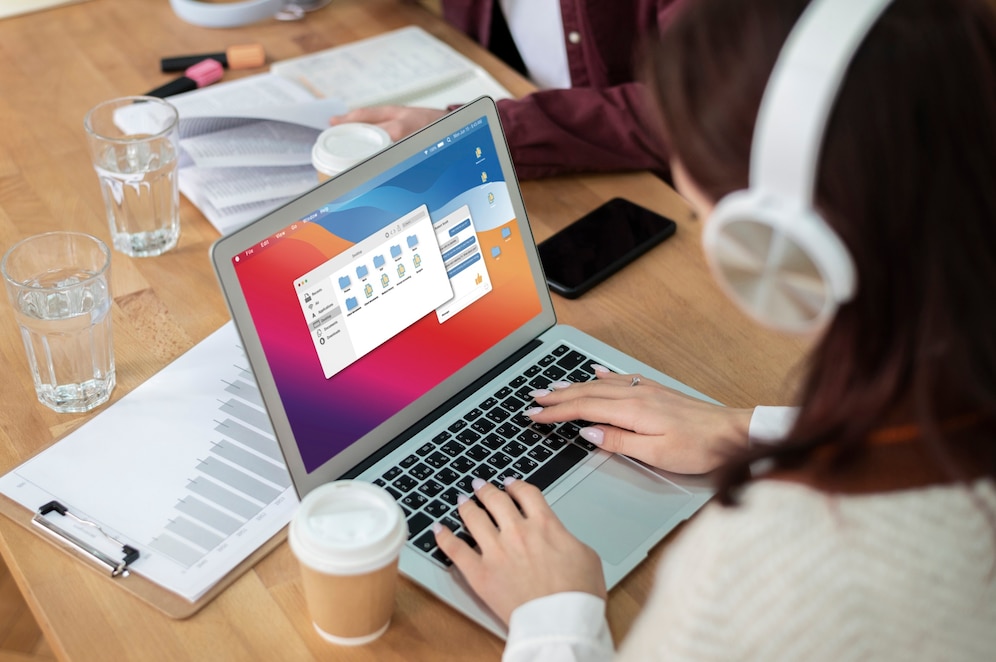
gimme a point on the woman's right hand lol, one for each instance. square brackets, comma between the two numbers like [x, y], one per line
[647, 421]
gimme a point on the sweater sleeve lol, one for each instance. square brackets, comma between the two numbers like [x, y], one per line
[565, 627]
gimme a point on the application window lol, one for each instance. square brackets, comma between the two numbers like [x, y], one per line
[358, 300]
[465, 268]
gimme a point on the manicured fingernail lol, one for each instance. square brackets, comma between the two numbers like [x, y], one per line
[532, 411]
[436, 527]
[477, 483]
[559, 385]
[508, 480]
[462, 499]
[539, 393]
[599, 368]
[594, 435]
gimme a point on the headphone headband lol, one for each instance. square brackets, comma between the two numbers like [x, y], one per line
[768, 246]
[801, 91]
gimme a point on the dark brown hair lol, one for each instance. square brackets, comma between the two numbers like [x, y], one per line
[906, 179]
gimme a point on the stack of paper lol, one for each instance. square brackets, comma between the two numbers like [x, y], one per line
[247, 143]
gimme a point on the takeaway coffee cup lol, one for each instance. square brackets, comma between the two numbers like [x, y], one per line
[347, 536]
[343, 146]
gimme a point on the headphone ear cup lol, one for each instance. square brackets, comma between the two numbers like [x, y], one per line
[780, 263]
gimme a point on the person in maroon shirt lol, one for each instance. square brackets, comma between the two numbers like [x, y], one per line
[601, 123]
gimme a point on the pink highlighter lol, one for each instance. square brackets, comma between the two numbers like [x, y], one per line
[203, 73]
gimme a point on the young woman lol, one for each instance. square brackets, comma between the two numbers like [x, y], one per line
[869, 531]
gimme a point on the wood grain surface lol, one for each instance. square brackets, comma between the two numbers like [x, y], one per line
[54, 65]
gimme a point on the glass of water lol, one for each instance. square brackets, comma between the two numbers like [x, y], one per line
[58, 285]
[134, 145]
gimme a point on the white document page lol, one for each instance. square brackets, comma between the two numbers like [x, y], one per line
[185, 469]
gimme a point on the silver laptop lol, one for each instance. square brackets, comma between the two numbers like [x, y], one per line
[396, 318]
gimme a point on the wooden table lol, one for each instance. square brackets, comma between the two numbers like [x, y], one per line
[56, 64]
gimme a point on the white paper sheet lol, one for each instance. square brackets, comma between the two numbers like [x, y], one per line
[185, 469]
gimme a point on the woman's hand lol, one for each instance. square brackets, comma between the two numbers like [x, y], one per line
[525, 553]
[646, 421]
[398, 121]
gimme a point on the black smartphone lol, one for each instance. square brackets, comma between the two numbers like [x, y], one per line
[600, 243]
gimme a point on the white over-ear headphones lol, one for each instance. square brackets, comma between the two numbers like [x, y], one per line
[233, 14]
[768, 246]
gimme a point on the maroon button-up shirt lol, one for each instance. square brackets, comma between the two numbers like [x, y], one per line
[604, 122]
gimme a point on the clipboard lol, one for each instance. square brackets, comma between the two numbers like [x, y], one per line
[171, 492]
[162, 599]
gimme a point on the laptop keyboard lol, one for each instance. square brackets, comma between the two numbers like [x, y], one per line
[491, 441]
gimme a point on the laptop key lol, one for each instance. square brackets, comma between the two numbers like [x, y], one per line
[431, 488]
[483, 426]
[499, 460]
[409, 461]
[529, 437]
[446, 476]
[452, 448]
[468, 437]
[426, 542]
[498, 415]
[571, 360]
[560, 350]
[557, 466]
[405, 483]
[493, 441]
[416, 523]
[484, 472]
[414, 500]
[478, 453]
[437, 459]
[554, 372]
[421, 471]
[442, 558]
[524, 464]
[513, 448]
[437, 509]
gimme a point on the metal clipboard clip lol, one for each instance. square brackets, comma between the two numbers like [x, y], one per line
[117, 568]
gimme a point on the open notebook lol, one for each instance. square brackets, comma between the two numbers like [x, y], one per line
[397, 317]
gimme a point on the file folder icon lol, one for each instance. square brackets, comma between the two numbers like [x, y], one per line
[395, 251]
[506, 233]
[412, 240]
[362, 271]
[343, 282]
[378, 261]
[351, 303]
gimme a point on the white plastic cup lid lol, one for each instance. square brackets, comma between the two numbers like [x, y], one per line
[347, 527]
[345, 145]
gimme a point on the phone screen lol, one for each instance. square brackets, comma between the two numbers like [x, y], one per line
[600, 243]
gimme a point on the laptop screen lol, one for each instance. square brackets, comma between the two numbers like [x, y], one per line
[369, 299]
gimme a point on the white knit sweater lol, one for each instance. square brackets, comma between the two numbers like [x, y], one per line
[795, 574]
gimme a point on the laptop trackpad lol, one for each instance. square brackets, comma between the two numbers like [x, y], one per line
[618, 506]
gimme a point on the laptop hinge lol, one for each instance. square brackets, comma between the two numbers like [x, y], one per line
[442, 409]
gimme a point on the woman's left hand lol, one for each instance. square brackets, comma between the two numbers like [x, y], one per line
[524, 554]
